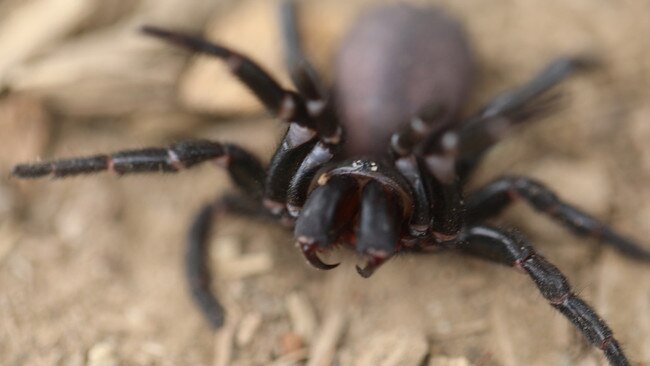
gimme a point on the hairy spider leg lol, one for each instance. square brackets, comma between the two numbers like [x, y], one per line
[293, 169]
[412, 170]
[438, 204]
[525, 103]
[552, 74]
[432, 177]
[428, 124]
[305, 77]
[514, 250]
[302, 73]
[449, 149]
[197, 269]
[451, 153]
[402, 145]
[502, 192]
[244, 168]
[448, 211]
[247, 173]
[322, 152]
[304, 127]
[289, 191]
[285, 161]
[299, 184]
[319, 106]
[284, 104]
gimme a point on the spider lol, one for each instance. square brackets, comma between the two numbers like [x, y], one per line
[379, 162]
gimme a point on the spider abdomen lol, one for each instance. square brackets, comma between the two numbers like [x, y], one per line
[395, 62]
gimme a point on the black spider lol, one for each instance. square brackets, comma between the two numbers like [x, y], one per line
[379, 163]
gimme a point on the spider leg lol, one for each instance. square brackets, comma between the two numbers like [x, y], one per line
[552, 74]
[528, 102]
[411, 168]
[248, 175]
[448, 210]
[439, 202]
[425, 125]
[444, 185]
[295, 146]
[285, 104]
[379, 226]
[302, 73]
[305, 77]
[328, 212]
[298, 188]
[447, 206]
[300, 155]
[196, 256]
[433, 179]
[310, 86]
[305, 126]
[244, 168]
[403, 143]
[514, 250]
[502, 192]
[301, 135]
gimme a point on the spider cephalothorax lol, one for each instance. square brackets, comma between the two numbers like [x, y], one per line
[380, 162]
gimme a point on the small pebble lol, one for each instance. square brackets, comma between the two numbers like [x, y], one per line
[395, 348]
[247, 328]
[102, 354]
[302, 314]
[290, 343]
[446, 361]
[26, 121]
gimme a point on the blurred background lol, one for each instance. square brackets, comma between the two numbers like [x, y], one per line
[91, 267]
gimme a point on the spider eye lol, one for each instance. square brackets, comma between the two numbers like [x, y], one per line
[365, 165]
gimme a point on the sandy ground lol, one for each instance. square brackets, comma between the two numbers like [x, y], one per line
[90, 268]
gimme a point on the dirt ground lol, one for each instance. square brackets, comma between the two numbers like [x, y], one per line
[91, 268]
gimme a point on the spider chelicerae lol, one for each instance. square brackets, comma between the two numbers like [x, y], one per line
[379, 162]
